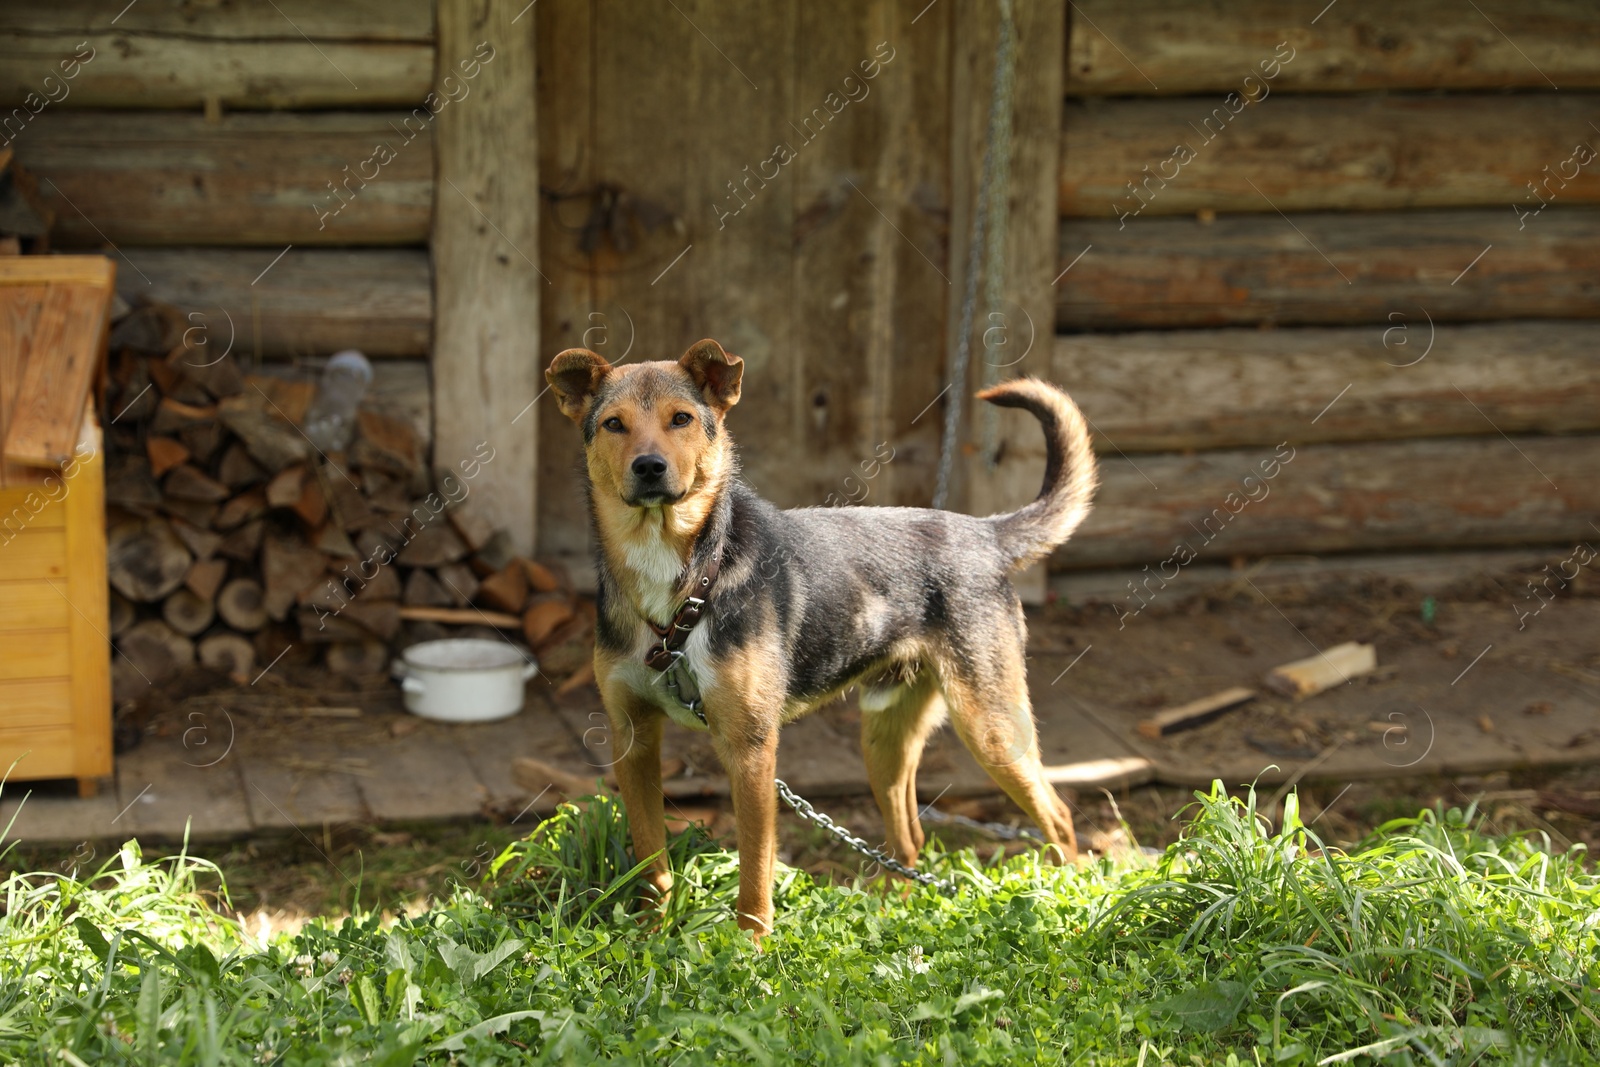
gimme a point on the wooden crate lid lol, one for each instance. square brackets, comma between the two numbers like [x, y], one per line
[53, 317]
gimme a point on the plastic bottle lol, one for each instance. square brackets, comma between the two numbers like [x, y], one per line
[331, 418]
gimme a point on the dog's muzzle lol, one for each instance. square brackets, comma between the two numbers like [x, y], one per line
[650, 483]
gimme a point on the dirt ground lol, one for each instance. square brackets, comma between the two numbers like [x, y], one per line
[1531, 709]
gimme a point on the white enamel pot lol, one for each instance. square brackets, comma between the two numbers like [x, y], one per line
[463, 679]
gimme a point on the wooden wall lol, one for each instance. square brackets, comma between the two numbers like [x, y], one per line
[835, 274]
[200, 141]
[1353, 262]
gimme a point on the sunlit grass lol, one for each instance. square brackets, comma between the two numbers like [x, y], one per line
[1430, 942]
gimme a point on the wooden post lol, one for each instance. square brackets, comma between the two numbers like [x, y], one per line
[89, 596]
[487, 364]
[1028, 315]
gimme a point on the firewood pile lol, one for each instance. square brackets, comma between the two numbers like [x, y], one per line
[232, 537]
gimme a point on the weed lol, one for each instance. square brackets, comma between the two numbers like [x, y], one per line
[1429, 943]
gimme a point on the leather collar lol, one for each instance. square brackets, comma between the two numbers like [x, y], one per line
[675, 634]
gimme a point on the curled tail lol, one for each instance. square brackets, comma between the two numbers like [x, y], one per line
[1028, 534]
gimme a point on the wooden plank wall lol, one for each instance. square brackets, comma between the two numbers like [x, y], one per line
[1381, 258]
[248, 190]
[833, 272]
[486, 348]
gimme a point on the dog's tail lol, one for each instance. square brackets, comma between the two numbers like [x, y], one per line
[1028, 534]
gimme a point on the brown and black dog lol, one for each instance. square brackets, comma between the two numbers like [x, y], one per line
[795, 607]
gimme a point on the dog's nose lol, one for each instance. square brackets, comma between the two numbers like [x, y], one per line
[649, 467]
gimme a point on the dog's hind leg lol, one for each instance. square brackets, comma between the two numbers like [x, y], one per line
[895, 724]
[994, 718]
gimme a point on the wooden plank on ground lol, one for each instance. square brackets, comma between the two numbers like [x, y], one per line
[490, 747]
[45, 815]
[351, 178]
[1431, 726]
[168, 790]
[1454, 492]
[1172, 47]
[1194, 713]
[290, 783]
[1201, 389]
[421, 775]
[176, 62]
[487, 359]
[1330, 268]
[1347, 153]
[310, 302]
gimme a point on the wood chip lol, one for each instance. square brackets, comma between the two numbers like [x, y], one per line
[1314, 674]
[506, 589]
[205, 577]
[536, 776]
[165, 454]
[285, 486]
[188, 482]
[1194, 713]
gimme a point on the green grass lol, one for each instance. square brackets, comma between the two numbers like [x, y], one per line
[1429, 943]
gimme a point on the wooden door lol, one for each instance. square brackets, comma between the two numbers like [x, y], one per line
[777, 176]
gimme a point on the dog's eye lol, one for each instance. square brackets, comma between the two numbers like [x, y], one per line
[682, 418]
[613, 424]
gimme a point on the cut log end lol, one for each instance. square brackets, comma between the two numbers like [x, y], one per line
[188, 613]
[242, 605]
[229, 653]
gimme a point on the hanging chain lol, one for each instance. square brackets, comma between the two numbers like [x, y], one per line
[803, 808]
[998, 190]
[993, 193]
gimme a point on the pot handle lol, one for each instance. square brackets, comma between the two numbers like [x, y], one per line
[529, 669]
[397, 668]
[413, 685]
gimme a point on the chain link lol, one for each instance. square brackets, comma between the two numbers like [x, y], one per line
[993, 829]
[803, 808]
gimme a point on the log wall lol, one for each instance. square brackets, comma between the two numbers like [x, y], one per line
[267, 168]
[285, 54]
[1365, 234]
[1386, 255]
[1154, 47]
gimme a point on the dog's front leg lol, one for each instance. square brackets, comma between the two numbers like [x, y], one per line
[749, 754]
[636, 735]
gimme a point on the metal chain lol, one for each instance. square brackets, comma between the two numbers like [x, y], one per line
[999, 105]
[994, 829]
[803, 808]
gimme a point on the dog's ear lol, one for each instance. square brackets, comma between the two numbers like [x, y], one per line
[575, 376]
[716, 373]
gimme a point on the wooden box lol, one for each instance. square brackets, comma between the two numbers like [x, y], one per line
[55, 652]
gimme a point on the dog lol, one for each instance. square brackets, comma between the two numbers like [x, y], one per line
[720, 611]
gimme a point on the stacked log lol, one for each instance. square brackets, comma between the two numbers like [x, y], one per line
[233, 538]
